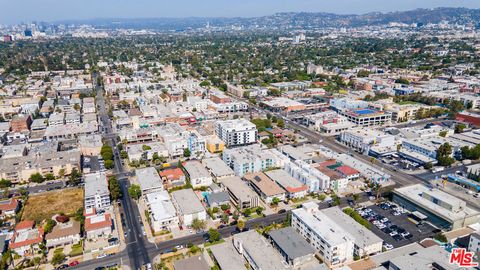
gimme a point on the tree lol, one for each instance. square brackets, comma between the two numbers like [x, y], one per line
[106, 152]
[460, 127]
[135, 192]
[5, 183]
[213, 235]
[224, 218]
[58, 258]
[198, 224]
[49, 224]
[240, 225]
[443, 133]
[281, 123]
[441, 237]
[109, 164]
[49, 176]
[225, 207]
[444, 155]
[75, 177]
[187, 153]
[247, 212]
[124, 154]
[37, 178]
[275, 201]
[114, 186]
[428, 166]
[146, 147]
[259, 210]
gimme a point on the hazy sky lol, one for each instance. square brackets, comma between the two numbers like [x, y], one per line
[14, 11]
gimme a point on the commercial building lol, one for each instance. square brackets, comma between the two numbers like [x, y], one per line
[240, 193]
[257, 251]
[367, 117]
[265, 187]
[441, 209]
[328, 122]
[236, 132]
[282, 104]
[163, 216]
[366, 243]
[199, 176]
[90, 145]
[148, 180]
[334, 245]
[293, 187]
[188, 206]
[295, 250]
[363, 139]
[97, 194]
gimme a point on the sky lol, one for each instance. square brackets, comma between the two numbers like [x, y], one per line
[16, 11]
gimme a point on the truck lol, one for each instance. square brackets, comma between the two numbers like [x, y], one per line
[438, 169]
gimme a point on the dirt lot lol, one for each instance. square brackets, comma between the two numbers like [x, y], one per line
[45, 205]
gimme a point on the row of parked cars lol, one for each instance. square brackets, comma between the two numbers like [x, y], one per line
[384, 224]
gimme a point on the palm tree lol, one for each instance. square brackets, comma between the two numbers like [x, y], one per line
[198, 225]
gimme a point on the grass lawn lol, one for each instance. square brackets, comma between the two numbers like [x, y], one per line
[77, 249]
[45, 205]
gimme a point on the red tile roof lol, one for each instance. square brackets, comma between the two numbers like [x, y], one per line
[38, 238]
[346, 170]
[172, 174]
[9, 205]
[104, 223]
[327, 163]
[23, 225]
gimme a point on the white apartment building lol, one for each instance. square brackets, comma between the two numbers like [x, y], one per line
[251, 159]
[97, 194]
[188, 206]
[162, 212]
[236, 132]
[199, 175]
[308, 175]
[335, 245]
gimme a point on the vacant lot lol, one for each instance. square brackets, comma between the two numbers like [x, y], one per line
[45, 205]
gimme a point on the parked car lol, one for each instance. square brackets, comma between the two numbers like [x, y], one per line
[74, 263]
[387, 246]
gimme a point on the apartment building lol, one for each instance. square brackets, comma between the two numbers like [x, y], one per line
[240, 193]
[149, 180]
[199, 175]
[97, 194]
[267, 189]
[308, 175]
[188, 206]
[251, 159]
[236, 132]
[366, 242]
[162, 212]
[334, 245]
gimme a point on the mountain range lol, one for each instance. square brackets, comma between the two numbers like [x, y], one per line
[292, 20]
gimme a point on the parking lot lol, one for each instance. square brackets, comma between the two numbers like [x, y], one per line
[396, 230]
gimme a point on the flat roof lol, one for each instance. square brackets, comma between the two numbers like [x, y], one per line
[423, 259]
[96, 184]
[259, 250]
[286, 180]
[148, 179]
[161, 205]
[227, 256]
[192, 263]
[239, 188]
[414, 193]
[218, 167]
[363, 236]
[321, 224]
[290, 242]
[187, 201]
[195, 169]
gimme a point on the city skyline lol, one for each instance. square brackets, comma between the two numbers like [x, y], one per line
[55, 10]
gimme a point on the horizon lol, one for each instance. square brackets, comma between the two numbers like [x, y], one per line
[57, 11]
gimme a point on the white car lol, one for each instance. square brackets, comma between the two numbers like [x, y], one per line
[393, 233]
[405, 233]
[103, 255]
[384, 220]
[387, 246]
